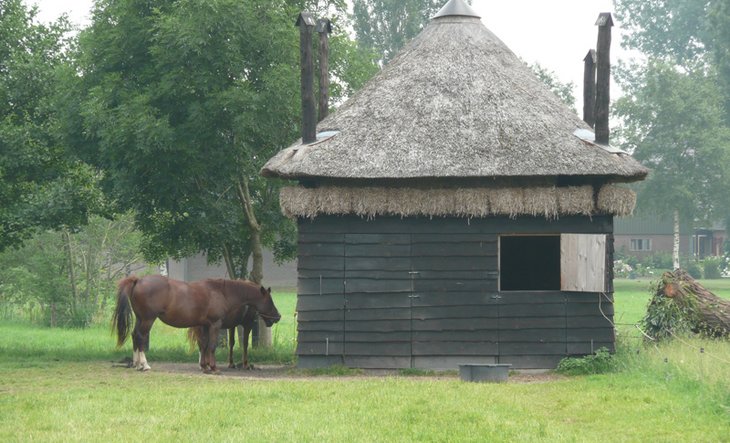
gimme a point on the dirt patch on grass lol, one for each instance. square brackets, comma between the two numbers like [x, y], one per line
[283, 372]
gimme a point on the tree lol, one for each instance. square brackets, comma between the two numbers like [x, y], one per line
[674, 113]
[41, 185]
[564, 91]
[61, 278]
[719, 19]
[387, 25]
[183, 102]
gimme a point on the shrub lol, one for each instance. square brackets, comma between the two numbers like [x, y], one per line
[660, 260]
[693, 269]
[599, 363]
[622, 269]
[711, 267]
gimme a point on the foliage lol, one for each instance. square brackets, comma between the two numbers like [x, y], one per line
[41, 185]
[664, 317]
[182, 104]
[68, 279]
[627, 265]
[600, 362]
[563, 90]
[387, 25]
[693, 268]
[711, 267]
[682, 34]
[719, 30]
[672, 122]
[677, 107]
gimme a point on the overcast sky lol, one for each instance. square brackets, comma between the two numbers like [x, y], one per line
[557, 34]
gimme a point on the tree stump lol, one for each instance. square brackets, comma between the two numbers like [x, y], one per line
[680, 302]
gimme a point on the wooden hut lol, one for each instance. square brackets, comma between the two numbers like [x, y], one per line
[448, 213]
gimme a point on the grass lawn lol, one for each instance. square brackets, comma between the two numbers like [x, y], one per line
[60, 385]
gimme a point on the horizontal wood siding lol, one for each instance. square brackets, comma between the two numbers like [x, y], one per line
[320, 301]
[378, 285]
[397, 293]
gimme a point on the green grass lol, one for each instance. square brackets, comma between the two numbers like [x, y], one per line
[92, 401]
[60, 385]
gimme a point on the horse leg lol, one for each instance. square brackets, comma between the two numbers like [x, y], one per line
[231, 344]
[199, 338]
[213, 331]
[203, 341]
[142, 332]
[136, 344]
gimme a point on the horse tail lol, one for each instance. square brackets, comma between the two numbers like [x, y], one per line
[194, 334]
[122, 317]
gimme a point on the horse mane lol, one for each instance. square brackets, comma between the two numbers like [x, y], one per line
[220, 283]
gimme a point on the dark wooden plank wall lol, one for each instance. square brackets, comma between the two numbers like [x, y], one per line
[398, 293]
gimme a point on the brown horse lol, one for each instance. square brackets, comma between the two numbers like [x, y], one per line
[206, 304]
[246, 318]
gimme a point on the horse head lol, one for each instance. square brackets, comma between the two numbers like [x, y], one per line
[266, 308]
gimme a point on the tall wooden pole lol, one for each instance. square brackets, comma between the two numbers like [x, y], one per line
[324, 28]
[589, 88]
[306, 24]
[603, 76]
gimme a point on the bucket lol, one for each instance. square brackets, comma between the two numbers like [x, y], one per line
[495, 372]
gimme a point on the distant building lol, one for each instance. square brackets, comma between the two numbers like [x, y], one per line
[197, 267]
[641, 236]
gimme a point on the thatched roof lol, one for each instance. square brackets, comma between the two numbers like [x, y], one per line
[455, 102]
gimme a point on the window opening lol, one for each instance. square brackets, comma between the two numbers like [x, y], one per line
[529, 263]
[641, 244]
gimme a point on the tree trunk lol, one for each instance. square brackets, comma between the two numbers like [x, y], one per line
[257, 268]
[706, 312]
[71, 271]
[675, 247]
[228, 260]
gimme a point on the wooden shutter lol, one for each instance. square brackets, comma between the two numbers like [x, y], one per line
[583, 262]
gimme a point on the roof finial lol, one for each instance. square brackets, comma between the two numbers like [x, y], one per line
[456, 8]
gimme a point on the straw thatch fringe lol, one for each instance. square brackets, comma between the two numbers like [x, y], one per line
[616, 200]
[576, 200]
[549, 202]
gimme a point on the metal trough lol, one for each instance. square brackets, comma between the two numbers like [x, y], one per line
[496, 372]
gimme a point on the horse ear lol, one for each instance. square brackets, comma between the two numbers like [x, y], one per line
[269, 290]
[263, 290]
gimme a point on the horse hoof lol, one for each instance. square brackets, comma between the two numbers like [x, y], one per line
[144, 368]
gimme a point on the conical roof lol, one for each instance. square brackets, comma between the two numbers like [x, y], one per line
[454, 103]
